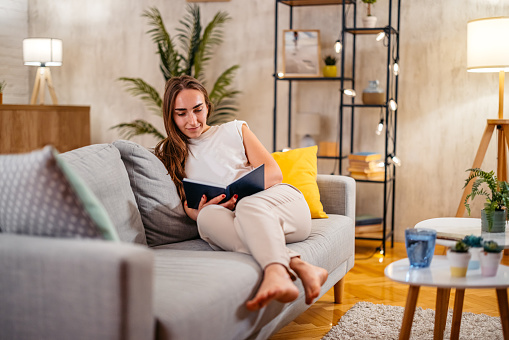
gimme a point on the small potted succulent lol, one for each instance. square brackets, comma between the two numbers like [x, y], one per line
[330, 70]
[475, 247]
[3, 84]
[459, 257]
[490, 258]
[494, 214]
[369, 21]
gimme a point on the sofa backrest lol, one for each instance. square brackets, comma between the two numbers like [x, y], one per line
[102, 169]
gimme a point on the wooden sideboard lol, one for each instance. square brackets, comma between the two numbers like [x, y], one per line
[24, 128]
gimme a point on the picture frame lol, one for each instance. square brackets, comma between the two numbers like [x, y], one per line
[301, 53]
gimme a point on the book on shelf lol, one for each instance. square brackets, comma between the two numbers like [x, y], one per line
[366, 170]
[248, 184]
[377, 176]
[366, 165]
[365, 156]
[367, 219]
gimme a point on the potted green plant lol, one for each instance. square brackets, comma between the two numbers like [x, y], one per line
[330, 70]
[494, 214]
[490, 258]
[475, 244]
[3, 84]
[369, 20]
[458, 257]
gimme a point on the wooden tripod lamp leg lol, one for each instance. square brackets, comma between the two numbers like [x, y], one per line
[479, 157]
[37, 84]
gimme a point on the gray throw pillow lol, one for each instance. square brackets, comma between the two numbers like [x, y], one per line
[101, 168]
[40, 195]
[162, 213]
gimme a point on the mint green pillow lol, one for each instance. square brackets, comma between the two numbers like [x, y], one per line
[40, 195]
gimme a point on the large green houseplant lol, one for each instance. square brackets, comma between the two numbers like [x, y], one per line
[197, 48]
[494, 214]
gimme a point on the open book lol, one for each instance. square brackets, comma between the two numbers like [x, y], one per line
[248, 184]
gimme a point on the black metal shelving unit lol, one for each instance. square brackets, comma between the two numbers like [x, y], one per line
[391, 42]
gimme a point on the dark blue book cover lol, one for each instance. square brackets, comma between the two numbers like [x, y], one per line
[249, 184]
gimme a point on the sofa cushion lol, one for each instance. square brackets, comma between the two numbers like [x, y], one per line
[299, 168]
[40, 195]
[102, 170]
[162, 213]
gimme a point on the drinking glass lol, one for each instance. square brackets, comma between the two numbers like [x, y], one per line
[420, 246]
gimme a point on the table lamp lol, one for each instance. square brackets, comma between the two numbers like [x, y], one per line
[488, 51]
[308, 124]
[42, 52]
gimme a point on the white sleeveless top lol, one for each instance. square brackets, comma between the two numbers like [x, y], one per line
[218, 155]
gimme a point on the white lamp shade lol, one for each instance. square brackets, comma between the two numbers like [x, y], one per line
[308, 124]
[42, 52]
[488, 45]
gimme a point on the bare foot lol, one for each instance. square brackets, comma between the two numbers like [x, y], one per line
[276, 285]
[312, 277]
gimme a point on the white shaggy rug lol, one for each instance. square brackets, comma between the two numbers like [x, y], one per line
[366, 320]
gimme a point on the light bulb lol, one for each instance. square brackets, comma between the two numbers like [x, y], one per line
[380, 165]
[338, 46]
[395, 69]
[380, 127]
[380, 36]
[280, 74]
[396, 161]
[350, 92]
[393, 105]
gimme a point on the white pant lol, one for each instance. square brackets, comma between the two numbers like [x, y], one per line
[261, 225]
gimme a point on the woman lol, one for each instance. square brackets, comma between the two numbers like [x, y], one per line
[259, 224]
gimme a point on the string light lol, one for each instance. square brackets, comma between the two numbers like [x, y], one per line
[395, 68]
[350, 92]
[393, 105]
[380, 127]
[338, 46]
[380, 36]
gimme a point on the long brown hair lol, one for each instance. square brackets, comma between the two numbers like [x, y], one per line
[173, 150]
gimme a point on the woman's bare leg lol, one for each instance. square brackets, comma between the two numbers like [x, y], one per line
[312, 277]
[276, 285]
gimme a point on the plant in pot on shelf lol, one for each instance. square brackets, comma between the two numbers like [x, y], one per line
[490, 258]
[458, 257]
[330, 70]
[3, 84]
[475, 244]
[369, 21]
[494, 214]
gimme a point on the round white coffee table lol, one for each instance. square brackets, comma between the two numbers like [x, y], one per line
[438, 275]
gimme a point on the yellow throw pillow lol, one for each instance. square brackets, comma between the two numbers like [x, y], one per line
[299, 169]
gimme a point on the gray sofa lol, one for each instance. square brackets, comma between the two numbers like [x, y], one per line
[161, 281]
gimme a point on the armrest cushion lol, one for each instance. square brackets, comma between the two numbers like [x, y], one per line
[337, 194]
[74, 289]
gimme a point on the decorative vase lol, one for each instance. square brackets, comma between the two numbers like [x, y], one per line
[489, 263]
[458, 262]
[475, 259]
[499, 218]
[330, 71]
[369, 21]
[373, 94]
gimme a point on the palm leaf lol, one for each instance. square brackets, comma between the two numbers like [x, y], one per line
[189, 36]
[138, 87]
[219, 90]
[212, 36]
[136, 128]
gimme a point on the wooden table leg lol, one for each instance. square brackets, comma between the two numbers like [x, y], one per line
[408, 317]
[442, 306]
[456, 315]
[504, 311]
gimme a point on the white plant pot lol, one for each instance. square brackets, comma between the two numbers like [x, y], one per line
[458, 263]
[369, 21]
[475, 259]
[489, 263]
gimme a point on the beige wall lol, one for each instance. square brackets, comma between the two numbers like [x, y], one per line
[442, 108]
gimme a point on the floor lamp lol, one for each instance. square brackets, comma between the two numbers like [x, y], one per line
[488, 51]
[42, 52]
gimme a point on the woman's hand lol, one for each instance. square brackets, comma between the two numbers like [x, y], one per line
[193, 213]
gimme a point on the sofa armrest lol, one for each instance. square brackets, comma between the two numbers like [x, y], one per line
[74, 289]
[337, 194]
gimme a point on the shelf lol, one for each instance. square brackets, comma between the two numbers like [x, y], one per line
[315, 2]
[312, 78]
[364, 105]
[374, 30]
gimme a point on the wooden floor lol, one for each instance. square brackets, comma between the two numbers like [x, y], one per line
[366, 282]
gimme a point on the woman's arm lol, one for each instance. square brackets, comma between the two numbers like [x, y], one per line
[258, 155]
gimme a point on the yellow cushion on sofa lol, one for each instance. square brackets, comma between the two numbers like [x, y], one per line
[299, 169]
